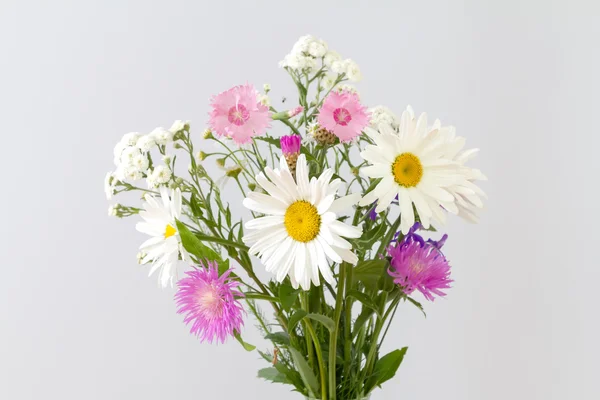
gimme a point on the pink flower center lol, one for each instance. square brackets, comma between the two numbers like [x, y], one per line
[342, 116]
[238, 115]
[210, 302]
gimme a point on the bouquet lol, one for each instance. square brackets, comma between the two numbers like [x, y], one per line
[339, 210]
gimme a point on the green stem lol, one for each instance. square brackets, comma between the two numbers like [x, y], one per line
[339, 300]
[348, 323]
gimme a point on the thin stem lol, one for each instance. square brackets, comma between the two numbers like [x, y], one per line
[339, 300]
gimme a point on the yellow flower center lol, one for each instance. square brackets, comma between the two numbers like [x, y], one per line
[169, 231]
[407, 170]
[302, 221]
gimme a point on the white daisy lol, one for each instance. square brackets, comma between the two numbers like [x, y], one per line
[412, 165]
[164, 248]
[467, 195]
[300, 230]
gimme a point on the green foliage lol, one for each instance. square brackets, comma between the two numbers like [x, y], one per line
[288, 296]
[246, 346]
[369, 272]
[273, 375]
[280, 338]
[385, 368]
[193, 245]
[306, 373]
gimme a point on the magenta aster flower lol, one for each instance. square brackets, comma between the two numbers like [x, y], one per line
[343, 115]
[237, 114]
[210, 303]
[420, 265]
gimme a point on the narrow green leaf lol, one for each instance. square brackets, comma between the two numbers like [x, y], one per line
[280, 338]
[259, 296]
[361, 320]
[306, 372]
[369, 272]
[364, 299]
[326, 321]
[417, 304]
[385, 368]
[193, 245]
[246, 346]
[295, 318]
[287, 296]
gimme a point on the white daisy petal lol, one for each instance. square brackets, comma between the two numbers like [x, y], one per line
[344, 203]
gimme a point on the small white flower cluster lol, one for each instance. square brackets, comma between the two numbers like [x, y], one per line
[132, 159]
[383, 115]
[347, 89]
[308, 49]
[304, 54]
[160, 175]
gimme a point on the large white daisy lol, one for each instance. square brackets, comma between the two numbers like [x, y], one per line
[164, 248]
[467, 195]
[300, 230]
[412, 165]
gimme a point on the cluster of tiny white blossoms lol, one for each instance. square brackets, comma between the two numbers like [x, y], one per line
[133, 161]
[383, 115]
[308, 50]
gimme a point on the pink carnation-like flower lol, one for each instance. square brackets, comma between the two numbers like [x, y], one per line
[237, 114]
[209, 302]
[420, 265]
[344, 115]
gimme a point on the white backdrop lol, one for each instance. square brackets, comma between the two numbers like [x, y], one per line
[81, 320]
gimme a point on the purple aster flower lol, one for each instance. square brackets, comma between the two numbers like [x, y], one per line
[419, 265]
[210, 303]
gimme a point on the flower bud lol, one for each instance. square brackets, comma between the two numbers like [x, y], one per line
[207, 134]
[234, 172]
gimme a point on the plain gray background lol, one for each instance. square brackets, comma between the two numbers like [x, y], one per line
[81, 320]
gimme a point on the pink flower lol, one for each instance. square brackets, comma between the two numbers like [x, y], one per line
[343, 115]
[237, 114]
[420, 265]
[209, 302]
[295, 111]
[290, 144]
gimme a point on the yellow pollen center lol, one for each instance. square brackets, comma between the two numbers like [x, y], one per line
[407, 170]
[302, 221]
[169, 231]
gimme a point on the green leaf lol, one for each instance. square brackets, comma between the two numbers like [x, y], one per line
[295, 318]
[361, 320]
[193, 245]
[306, 372]
[326, 321]
[273, 375]
[280, 338]
[246, 346]
[287, 296]
[364, 299]
[385, 368]
[417, 304]
[369, 272]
